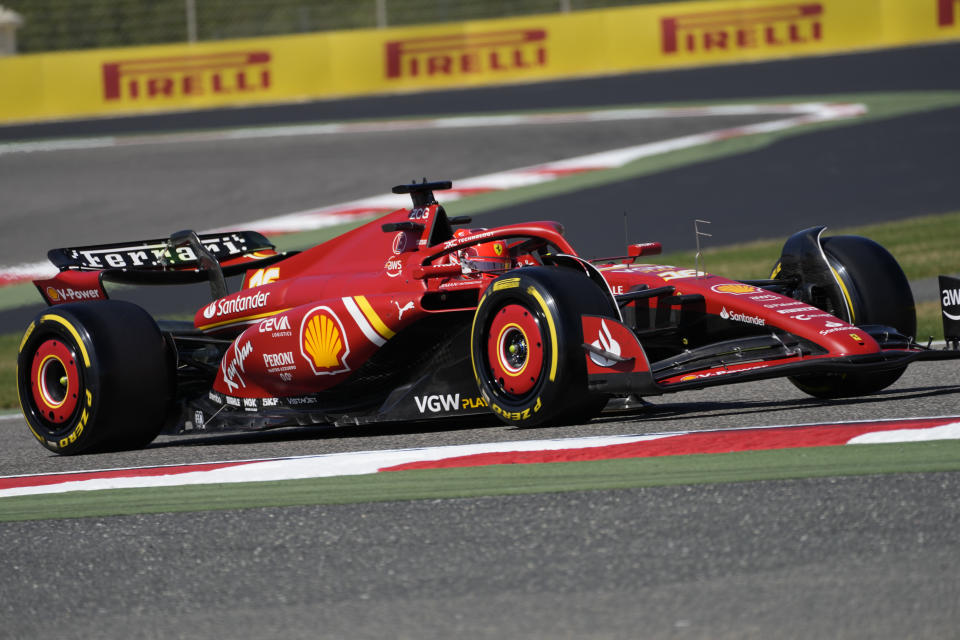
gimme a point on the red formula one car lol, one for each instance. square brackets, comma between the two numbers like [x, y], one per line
[409, 318]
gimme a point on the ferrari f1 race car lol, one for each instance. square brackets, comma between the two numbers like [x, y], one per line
[413, 317]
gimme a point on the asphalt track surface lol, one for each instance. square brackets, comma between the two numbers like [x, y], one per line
[121, 193]
[860, 557]
[852, 557]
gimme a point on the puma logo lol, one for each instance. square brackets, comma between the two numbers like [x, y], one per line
[400, 309]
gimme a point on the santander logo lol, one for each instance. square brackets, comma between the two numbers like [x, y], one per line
[606, 342]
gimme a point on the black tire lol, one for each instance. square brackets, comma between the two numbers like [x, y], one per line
[525, 346]
[878, 293]
[94, 376]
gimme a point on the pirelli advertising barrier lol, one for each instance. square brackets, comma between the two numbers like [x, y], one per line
[352, 63]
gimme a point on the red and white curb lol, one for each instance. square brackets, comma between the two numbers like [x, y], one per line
[365, 208]
[524, 452]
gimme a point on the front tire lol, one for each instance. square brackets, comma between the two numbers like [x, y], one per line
[94, 376]
[526, 348]
[877, 292]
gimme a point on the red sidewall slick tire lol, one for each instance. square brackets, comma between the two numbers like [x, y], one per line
[94, 376]
[526, 345]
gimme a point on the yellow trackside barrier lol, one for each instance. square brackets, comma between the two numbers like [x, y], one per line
[108, 82]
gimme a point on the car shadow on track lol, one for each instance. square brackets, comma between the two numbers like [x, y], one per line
[672, 411]
[329, 432]
[647, 413]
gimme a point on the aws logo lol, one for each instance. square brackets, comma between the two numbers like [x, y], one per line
[951, 300]
[323, 342]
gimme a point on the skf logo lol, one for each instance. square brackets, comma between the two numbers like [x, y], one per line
[738, 29]
[947, 12]
[467, 53]
[323, 342]
[184, 76]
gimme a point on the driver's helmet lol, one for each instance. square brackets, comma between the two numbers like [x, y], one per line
[486, 256]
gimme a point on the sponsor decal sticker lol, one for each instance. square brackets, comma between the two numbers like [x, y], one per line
[675, 275]
[447, 403]
[399, 243]
[263, 276]
[393, 266]
[950, 300]
[229, 306]
[162, 79]
[472, 403]
[70, 294]
[276, 326]
[735, 289]
[765, 296]
[323, 342]
[606, 342]
[742, 317]
[400, 310]
[463, 54]
[438, 403]
[797, 310]
[764, 27]
[720, 372]
[232, 371]
[277, 362]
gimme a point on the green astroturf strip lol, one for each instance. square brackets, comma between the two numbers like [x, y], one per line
[498, 480]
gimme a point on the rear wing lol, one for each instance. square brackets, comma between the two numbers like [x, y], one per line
[159, 255]
[185, 257]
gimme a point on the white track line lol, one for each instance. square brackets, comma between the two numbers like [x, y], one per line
[370, 462]
[365, 208]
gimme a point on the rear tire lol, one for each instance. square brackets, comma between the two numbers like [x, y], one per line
[879, 293]
[94, 376]
[526, 348]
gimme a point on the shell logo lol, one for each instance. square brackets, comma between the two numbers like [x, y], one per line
[323, 342]
[52, 294]
[688, 378]
[736, 289]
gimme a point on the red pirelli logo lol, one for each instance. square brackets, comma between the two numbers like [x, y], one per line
[217, 73]
[465, 53]
[947, 12]
[736, 29]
